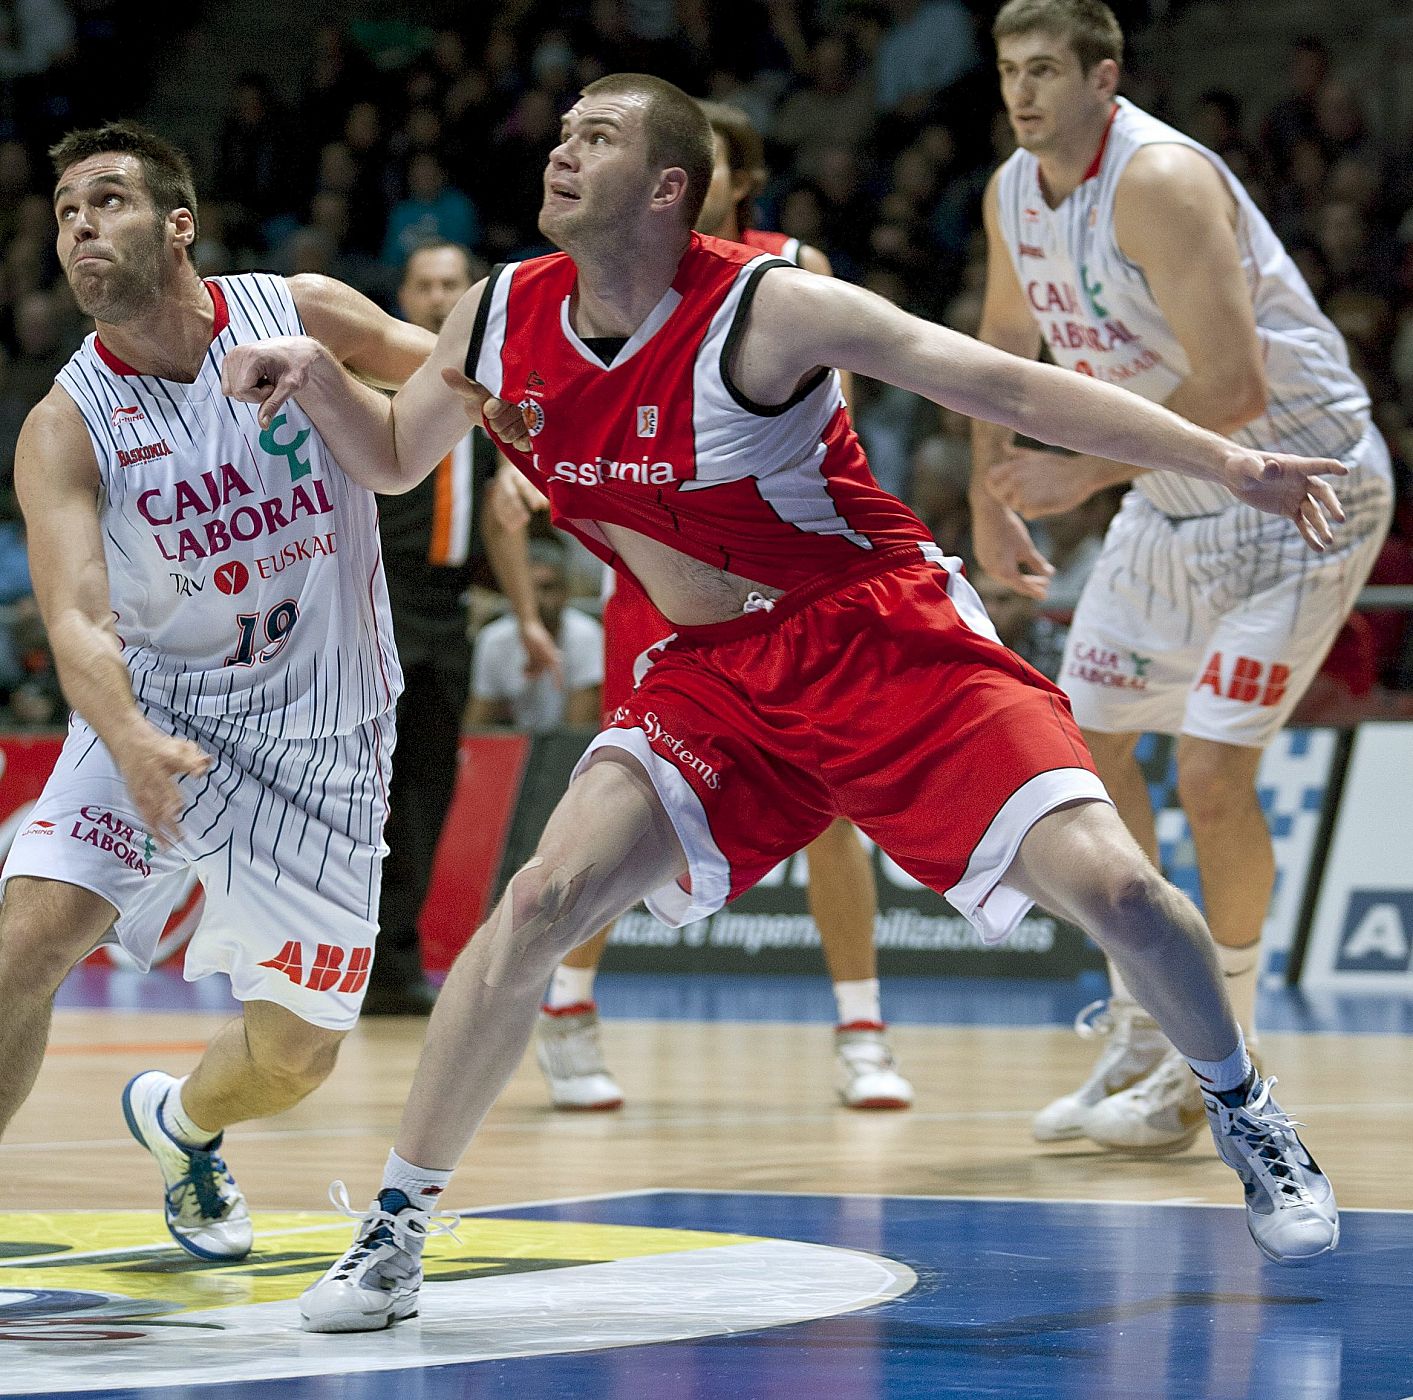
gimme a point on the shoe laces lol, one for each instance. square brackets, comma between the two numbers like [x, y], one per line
[1094, 1020]
[1269, 1132]
[1098, 1019]
[407, 1229]
[205, 1174]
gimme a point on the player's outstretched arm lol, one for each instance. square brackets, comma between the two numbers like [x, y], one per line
[380, 349]
[799, 322]
[56, 478]
[387, 445]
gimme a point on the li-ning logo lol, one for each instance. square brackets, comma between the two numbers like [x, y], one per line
[127, 415]
[647, 420]
[149, 451]
[1029, 250]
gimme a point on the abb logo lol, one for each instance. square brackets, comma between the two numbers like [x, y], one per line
[326, 969]
[1250, 682]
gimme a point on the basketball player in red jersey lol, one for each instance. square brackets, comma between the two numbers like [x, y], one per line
[671, 394]
[843, 898]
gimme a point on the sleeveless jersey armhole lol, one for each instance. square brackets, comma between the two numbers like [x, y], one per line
[478, 327]
[733, 339]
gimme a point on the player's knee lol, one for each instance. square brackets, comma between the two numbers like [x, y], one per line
[1212, 786]
[545, 912]
[549, 904]
[292, 1055]
[1132, 906]
[33, 958]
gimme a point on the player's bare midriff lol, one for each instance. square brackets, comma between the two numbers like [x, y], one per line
[684, 590]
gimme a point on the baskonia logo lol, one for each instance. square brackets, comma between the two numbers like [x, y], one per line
[534, 416]
[601, 469]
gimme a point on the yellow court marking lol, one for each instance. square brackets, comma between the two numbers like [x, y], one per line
[130, 1253]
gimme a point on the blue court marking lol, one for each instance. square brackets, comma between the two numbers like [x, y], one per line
[1030, 1300]
[924, 1001]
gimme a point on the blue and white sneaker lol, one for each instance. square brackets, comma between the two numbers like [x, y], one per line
[1290, 1204]
[377, 1280]
[206, 1212]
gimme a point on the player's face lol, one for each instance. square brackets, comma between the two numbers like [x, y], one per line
[112, 244]
[1049, 98]
[551, 594]
[597, 182]
[434, 282]
[718, 216]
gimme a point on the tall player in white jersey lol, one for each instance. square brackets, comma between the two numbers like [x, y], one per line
[212, 584]
[1138, 258]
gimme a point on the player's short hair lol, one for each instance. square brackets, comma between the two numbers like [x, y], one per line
[1088, 25]
[745, 151]
[550, 551]
[677, 130]
[166, 171]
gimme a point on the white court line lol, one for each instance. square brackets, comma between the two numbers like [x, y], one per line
[635, 1121]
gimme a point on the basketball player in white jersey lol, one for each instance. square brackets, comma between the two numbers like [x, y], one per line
[212, 585]
[828, 659]
[1139, 259]
[841, 893]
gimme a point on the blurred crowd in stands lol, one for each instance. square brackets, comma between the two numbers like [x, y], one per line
[882, 125]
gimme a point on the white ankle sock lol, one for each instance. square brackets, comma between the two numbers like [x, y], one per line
[570, 986]
[1222, 1075]
[858, 1002]
[1239, 969]
[180, 1123]
[421, 1185]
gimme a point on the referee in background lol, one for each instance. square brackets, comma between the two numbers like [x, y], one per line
[428, 557]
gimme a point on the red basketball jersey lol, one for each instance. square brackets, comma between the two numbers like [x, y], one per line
[662, 441]
[782, 245]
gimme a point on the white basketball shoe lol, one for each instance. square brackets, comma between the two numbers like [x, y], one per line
[1134, 1049]
[1163, 1112]
[570, 1053]
[378, 1279]
[205, 1211]
[867, 1073]
[1290, 1205]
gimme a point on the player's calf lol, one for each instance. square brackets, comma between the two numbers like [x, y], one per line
[45, 928]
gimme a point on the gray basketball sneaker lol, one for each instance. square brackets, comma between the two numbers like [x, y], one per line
[1290, 1204]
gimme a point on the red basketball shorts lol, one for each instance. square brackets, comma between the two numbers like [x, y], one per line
[881, 695]
[631, 626]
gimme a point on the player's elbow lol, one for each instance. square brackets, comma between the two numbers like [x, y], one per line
[1241, 397]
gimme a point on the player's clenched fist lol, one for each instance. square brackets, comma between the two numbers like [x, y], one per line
[506, 421]
[270, 372]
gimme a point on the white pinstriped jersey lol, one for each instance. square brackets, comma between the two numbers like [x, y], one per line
[1098, 316]
[244, 567]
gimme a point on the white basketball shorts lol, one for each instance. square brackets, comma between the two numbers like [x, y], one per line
[1214, 626]
[286, 836]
